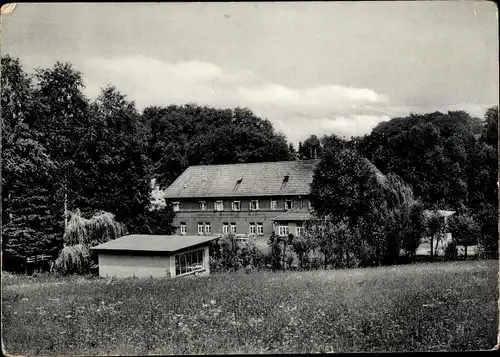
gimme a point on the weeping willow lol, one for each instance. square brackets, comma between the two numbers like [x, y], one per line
[80, 235]
[100, 228]
[73, 259]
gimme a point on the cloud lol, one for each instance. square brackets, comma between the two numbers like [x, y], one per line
[296, 112]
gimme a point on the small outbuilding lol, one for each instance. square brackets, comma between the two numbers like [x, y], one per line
[154, 256]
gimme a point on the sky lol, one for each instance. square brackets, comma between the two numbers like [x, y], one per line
[308, 67]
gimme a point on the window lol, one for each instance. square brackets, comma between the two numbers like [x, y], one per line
[219, 206]
[254, 205]
[301, 202]
[207, 228]
[233, 228]
[252, 228]
[288, 205]
[274, 204]
[200, 228]
[203, 206]
[189, 262]
[183, 228]
[260, 229]
[225, 228]
[236, 205]
[298, 231]
[176, 206]
[283, 230]
[309, 204]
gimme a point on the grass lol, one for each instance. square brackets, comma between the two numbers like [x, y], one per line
[423, 307]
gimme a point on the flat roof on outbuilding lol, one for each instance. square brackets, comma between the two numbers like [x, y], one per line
[153, 243]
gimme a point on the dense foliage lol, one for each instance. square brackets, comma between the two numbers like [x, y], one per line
[192, 135]
[366, 217]
[63, 152]
[450, 160]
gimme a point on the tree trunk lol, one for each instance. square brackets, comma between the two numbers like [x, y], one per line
[432, 249]
[65, 208]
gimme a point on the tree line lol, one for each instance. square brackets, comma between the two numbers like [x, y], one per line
[373, 186]
[64, 154]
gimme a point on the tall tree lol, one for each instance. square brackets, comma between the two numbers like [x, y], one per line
[430, 152]
[117, 167]
[27, 224]
[364, 206]
[311, 148]
[292, 151]
[61, 120]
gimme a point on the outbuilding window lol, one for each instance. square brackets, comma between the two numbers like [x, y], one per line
[207, 228]
[274, 204]
[176, 206]
[189, 262]
[183, 228]
[200, 228]
[288, 205]
[203, 206]
[236, 206]
[233, 228]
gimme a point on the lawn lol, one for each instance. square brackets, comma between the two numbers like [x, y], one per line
[423, 307]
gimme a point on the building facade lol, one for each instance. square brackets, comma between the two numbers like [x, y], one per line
[245, 199]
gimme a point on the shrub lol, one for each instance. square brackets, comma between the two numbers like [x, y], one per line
[228, 253]
[276, 252]
[73, 259]
[451, 251]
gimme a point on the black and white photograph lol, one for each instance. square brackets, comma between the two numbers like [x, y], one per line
[210, 178]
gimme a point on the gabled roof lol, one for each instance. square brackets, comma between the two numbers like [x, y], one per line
[153, 243]
[280, 178]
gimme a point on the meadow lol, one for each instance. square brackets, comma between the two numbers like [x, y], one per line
[421, 307]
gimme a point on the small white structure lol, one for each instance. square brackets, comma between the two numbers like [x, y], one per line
[154, 256]
[425, 248]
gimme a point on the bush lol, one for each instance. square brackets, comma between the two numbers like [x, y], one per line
[228, 253]
[73, 259]
[451, 251]
[275, 251]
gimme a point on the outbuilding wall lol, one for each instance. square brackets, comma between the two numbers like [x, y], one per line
[142, 266]
[126, 266]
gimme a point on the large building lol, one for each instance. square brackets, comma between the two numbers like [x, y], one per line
[253, 199]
